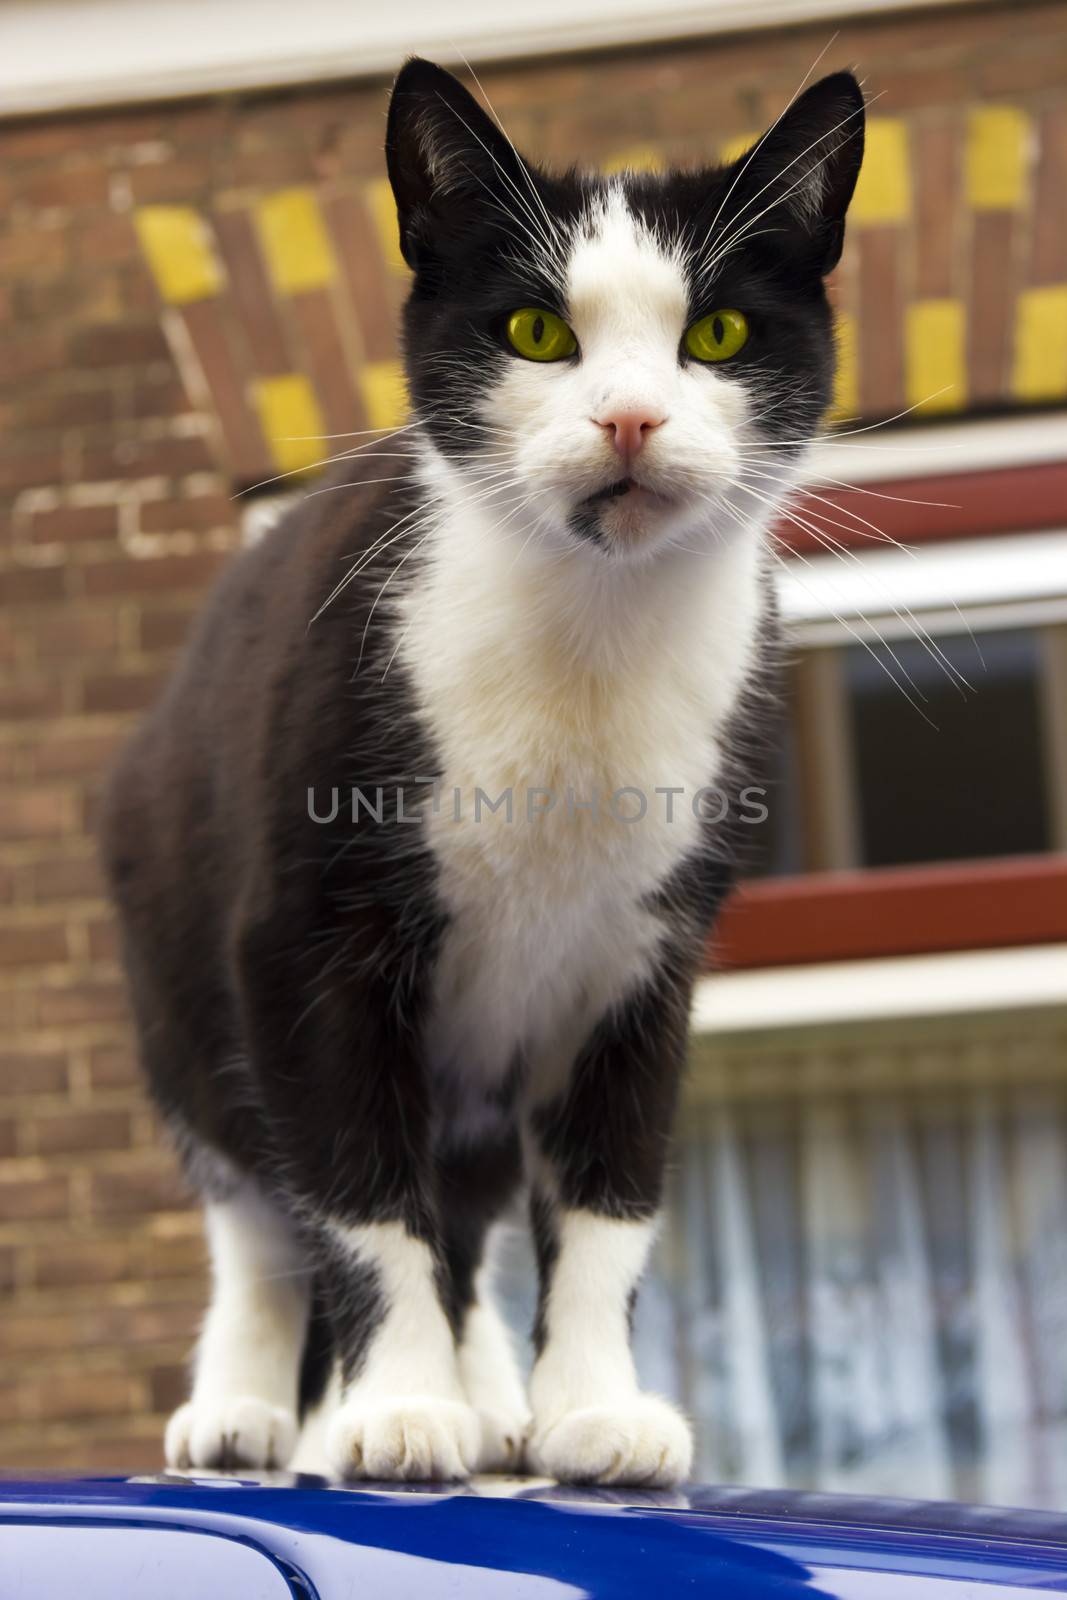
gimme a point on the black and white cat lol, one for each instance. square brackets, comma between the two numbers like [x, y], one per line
[411, 866]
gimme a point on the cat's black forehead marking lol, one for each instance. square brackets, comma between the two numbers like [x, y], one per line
[515, 254]
[680, 209]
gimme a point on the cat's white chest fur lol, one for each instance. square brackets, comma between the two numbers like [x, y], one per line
[557, 685]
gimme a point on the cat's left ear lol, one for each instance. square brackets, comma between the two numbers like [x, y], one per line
[799, 179]
[445, 157]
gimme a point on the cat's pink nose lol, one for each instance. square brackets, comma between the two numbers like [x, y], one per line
[629, 430]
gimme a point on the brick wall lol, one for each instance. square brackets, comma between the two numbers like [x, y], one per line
[185, 287]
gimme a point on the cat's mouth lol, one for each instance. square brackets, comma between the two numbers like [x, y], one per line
[628, 488]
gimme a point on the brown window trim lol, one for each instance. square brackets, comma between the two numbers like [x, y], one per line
[837, 916]
[973, 505]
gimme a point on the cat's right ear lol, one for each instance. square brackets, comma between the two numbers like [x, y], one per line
[444, 155]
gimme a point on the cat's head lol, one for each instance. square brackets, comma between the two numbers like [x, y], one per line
[626, 362]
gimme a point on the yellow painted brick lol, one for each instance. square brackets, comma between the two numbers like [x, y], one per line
[1040, 370]
[384, 393]
[935, 355]
[636, 158]
[180, 252]
[383, 210]
[846, 401]
[732, 149]
[294, 240]
[883, 193]
[998, 145]
[291, 421]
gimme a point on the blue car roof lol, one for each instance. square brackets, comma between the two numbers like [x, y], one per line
[519, 1538]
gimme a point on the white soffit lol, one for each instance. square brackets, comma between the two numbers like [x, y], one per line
[882, 452]
[955, 586]
[57, 54]
[953, 984]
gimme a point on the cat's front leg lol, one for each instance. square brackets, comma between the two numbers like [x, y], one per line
[404, 1412]
[243, 1408]
[599, 1151]
[347, 1097]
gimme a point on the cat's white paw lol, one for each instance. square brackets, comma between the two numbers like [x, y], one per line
[418, 1437]
[642, 1440]
[503, 1439]
[242, 1432]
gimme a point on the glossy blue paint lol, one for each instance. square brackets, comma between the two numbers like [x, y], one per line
[242, 1539]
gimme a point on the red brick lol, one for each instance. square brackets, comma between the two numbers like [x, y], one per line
[32, 1199]
[81, 1003]
[8, 1138]
[881, 322]
[121, 691]
[68, 408]
[96, 297]
[9, 644]
[217, 352]
[267, 169]
[126, 127]
[164, 629]
[936, 152]
[992, 288]
[31, 250]
[104, 942]
[69, 1131]
[8, 1263]
[33, 944]
[85, 1394]
[73, 524]
[31, 585]
[253, 298]
[40, 697]
[168, 1388]
[1007, 73]
[35, 813]
[162, 573]
[33, 1073]
[105, 241]
[10, 1403]
[1049, 246]
[316, 319]
[119, 344]
[180, 1256]
[81, 1450]
[197, 514]
[65, 877]
[169, 180]
[151, 1185]
[66, 1265]
[146, 458]
[112, 1067]
[366, 272]
[37, 140]
[76, 633]
[74, 186]
[164, 399]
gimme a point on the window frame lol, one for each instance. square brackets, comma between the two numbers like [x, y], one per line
[839, 911]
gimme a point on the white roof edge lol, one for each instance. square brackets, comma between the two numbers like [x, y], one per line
[246, 45]
[884, 452]
[953, 984]
[955, 585]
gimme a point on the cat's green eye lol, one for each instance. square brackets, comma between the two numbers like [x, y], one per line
[717, 337]
[540, 335]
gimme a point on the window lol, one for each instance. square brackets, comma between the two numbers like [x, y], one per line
[906, 753]
[962, 779]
